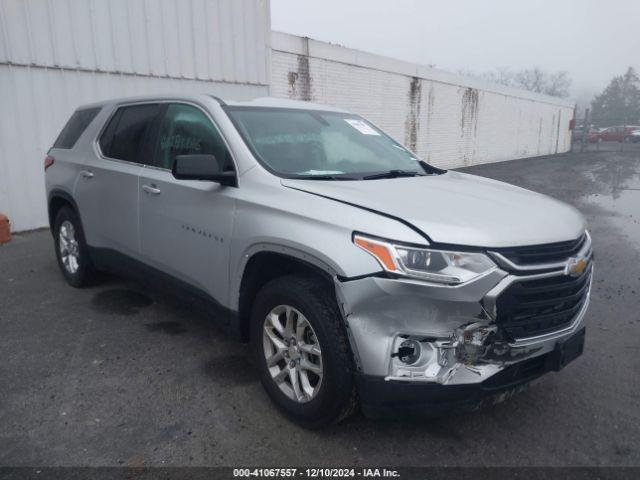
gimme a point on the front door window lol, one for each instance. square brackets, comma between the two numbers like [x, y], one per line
[186, 130]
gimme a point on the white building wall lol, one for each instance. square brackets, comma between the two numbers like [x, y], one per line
[449, 120]
[57, 55]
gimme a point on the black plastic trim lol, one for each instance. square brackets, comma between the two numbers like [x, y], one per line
[380, 274]
[543, 253]
[110, 260]
[58, 193]
[219, 100]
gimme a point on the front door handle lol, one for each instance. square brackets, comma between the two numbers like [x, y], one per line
[86, 173]
[151, 189]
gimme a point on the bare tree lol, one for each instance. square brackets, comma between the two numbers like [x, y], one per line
[533, 79]
[501, 76]
[558, 84]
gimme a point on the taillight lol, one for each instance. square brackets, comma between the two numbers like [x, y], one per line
[48, 161]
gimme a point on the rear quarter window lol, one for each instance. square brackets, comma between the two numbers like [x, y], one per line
[76, 125]
[123, 137]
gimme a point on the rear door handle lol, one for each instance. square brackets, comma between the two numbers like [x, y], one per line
[151, 189]
[86, 173]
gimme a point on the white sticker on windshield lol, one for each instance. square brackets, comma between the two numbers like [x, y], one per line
[361, 126]
[321, 172]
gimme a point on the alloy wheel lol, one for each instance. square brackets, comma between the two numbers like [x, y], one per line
[292, 353]
[69, 249]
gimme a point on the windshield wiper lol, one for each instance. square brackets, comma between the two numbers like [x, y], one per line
[393, 174]
[324, 177]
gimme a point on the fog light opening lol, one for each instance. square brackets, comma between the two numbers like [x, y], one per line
[408, 352]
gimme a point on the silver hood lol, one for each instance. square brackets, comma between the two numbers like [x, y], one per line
[458, 208]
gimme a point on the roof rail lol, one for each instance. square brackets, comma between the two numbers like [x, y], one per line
[218, 99]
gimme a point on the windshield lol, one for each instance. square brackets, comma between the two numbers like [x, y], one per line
[322, 145]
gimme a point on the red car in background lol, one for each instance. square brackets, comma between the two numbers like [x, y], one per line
[617, 133]
[593, 134]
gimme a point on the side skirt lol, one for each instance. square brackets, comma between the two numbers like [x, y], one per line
[111, 261]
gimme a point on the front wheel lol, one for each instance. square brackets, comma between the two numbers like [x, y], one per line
[302, 351]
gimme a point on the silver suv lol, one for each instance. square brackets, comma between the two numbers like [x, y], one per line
[359, 274]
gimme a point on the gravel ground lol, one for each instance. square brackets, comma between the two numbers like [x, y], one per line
[121, 375]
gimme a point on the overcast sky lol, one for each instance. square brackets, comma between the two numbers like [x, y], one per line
[591, 39]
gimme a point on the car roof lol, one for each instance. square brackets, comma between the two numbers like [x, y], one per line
[272, 102]
[268, 102]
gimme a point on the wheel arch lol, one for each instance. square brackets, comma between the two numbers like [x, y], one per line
[265, 263]
[57, 200]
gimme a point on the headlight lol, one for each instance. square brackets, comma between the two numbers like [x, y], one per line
[434, 265]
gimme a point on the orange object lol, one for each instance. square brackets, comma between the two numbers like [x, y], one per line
[5, 232]
[378, 250]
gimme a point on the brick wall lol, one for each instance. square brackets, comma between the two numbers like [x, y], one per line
[449, 120]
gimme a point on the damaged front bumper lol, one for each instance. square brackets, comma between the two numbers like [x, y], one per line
[381, 397]
[407, 333]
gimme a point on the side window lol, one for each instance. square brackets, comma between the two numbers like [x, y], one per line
[77, 124]
[125, 133]
[107, 134]
[186, 130]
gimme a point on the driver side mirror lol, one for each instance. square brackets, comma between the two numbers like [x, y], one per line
[202, 167]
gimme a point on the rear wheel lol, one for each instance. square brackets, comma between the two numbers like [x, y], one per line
[71, 249]
[302, 350]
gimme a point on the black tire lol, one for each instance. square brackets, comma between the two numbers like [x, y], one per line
[336, 398]
[85, 274]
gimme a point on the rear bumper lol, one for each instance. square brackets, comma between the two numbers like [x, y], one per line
[383, 397]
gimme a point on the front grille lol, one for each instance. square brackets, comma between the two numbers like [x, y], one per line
[534, 307]
[548, 253]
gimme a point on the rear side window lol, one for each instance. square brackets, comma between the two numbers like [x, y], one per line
[123, 137]
[77, 124]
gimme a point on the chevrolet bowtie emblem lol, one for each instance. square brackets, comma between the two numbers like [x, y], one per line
[575, 266]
